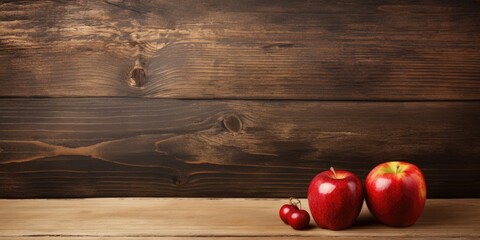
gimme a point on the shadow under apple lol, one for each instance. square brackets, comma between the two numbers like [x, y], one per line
[432, 215]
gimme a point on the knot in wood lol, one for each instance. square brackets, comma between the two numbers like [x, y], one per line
[232, 123]
[179, 180]
[137, 77]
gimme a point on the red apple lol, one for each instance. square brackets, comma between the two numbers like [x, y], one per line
[285, 211]
[299, 219]
[395, 193]
[335, 199]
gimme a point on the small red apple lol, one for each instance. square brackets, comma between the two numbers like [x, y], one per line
[286, 210]
[335, 199]
[395, 193]
[299, 219]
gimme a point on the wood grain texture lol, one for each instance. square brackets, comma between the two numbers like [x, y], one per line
[216, 238]
[260, 49]
[206, 218]
[98, 147]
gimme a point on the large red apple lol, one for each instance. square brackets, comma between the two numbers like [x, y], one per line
[395, 193]
[335, 199]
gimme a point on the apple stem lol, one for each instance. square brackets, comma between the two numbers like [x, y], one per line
[396, 170]
[333, 170]
[295, 202]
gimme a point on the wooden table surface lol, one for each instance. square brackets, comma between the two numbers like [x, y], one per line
[181, 218]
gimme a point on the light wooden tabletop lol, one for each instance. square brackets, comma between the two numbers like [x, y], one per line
[181, 218]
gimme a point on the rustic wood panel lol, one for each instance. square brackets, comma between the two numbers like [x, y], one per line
[257, 49]
[97, 147]
[208, 219]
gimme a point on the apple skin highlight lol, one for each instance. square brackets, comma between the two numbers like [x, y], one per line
[395, 193]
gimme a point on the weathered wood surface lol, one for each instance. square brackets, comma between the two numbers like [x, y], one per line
[249, 50]
[259, 49]
[209, 219]
[91, 147]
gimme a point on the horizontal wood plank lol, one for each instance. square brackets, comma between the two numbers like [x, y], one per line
[217, 238]
[99, 147]
[329, 50]
[206, 218]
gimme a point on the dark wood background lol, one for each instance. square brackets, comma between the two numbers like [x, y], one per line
[234, 98]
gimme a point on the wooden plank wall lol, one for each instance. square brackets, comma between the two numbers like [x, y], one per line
[234, 98]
